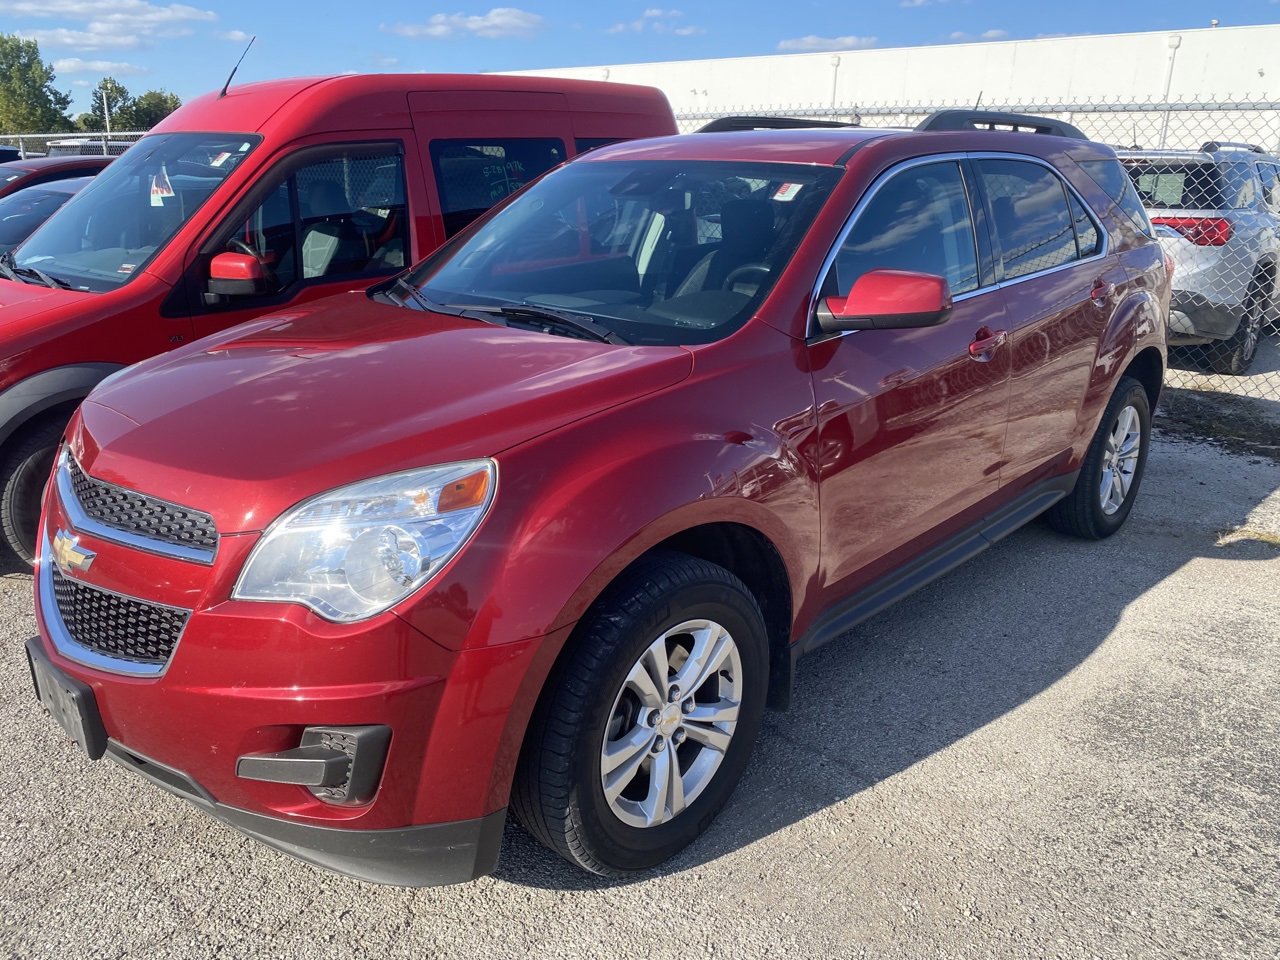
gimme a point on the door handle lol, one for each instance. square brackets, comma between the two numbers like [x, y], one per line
[1102, 291]
[986, 343]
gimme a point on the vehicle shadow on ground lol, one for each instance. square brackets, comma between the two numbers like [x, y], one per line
[959, 654]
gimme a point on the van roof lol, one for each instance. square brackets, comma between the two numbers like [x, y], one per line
[381, 101]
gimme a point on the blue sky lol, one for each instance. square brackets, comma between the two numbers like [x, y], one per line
[188, 48]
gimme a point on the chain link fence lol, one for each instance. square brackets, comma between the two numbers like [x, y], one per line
[1209, 173]
[28, 145]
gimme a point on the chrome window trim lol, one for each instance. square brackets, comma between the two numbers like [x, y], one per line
[77, 652]
[83, 523]
[812, 331]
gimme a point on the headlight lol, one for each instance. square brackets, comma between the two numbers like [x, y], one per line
[356, 551]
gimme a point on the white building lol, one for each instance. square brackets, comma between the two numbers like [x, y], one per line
[1227, 63]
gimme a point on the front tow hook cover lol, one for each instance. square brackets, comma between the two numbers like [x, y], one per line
[339, 765]
[310, 766]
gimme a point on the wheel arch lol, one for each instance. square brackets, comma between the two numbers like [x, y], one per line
[49, 390]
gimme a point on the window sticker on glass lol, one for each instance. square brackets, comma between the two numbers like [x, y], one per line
[160, 187]
[220, 159]
[126, 268]
[788, 191]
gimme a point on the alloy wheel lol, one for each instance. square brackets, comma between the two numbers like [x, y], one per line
[1120, 459]
[671, 723]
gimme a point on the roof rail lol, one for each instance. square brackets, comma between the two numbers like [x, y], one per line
[992, 119]
[1213, 146]
[723, 124]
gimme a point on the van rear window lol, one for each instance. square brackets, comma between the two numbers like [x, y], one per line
[473, 175]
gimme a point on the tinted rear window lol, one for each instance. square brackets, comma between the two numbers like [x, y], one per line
[1177, 186]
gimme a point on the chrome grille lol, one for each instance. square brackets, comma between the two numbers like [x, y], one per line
[117, 626]
[140, 515]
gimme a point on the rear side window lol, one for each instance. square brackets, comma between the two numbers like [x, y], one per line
[473, 175]
[1269, 174]
[1117, 184]
[919, 220]
[583, 144]
[1088, 240]
[1033, 221]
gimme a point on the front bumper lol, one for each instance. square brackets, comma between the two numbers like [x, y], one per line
[421, 856]
[413, 856]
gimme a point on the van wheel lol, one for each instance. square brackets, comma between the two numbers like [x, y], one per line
[1103, 495]
[24, 470]
[649, 718]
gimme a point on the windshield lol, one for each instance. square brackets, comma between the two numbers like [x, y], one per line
[1177, 186]
[112, 228]
[656, 251]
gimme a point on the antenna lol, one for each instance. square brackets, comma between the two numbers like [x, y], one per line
[222, 93]
[977, 103]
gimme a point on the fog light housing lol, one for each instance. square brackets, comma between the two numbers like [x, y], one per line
[339, 765]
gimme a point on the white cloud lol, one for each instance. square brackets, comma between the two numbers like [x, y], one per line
[657, 20]
[105, 24]
[236, 36]
[83, 39]
[961, 37]
[812, 43]
[498, 22]
[114, 68]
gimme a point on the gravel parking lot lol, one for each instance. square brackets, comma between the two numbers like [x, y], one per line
[1061, 750]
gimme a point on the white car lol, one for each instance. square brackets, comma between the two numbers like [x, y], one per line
[1216, 212]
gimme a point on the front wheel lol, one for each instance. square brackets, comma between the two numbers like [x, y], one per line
[1103, 495]
[24, 470]
[649, 720]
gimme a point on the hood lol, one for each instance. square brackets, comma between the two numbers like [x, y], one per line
[247, 423]
[25, 301]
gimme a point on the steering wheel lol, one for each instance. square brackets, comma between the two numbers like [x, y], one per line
[747, 268]
[235, 243]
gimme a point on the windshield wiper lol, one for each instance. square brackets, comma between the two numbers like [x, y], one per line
[549, 319]
[14, 272]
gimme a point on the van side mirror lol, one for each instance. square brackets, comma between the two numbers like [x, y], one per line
[236, 275]
[888, 300]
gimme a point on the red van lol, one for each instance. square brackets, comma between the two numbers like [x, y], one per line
[265, 196]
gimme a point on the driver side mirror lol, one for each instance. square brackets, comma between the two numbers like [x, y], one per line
[236, 275]
[888, 300]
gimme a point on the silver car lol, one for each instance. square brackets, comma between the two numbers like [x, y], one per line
[1216, 212]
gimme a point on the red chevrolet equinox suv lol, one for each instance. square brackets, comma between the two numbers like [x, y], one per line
[544, 523]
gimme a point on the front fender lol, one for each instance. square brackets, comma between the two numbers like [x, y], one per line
[27, 399]
[573, 508]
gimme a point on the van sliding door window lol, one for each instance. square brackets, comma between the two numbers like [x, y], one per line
[343, 215]
[473, 175]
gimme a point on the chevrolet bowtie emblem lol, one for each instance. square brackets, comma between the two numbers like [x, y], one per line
[69, 555]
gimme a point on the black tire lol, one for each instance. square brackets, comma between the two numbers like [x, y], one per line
[24, 470]
[1080, 513]
[1233, 356]
[558, 796]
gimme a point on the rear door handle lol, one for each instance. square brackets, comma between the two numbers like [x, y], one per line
[1102, 291]
[986, 344]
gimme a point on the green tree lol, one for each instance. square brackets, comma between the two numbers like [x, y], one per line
[28, 101]
[146, 110]
[109, 95]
